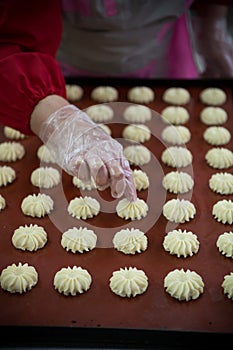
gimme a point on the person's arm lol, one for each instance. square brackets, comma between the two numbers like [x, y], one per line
[30, 33]
[33, 98]
[214, 43]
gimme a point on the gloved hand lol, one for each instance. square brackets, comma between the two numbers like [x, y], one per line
[213, 40]
[83, 149]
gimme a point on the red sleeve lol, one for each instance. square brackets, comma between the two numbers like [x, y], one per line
[30, 33]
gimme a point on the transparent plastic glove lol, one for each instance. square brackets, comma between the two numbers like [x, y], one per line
[83, 149]
[214, 45]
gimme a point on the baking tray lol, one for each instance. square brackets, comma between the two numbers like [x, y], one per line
[99, 317]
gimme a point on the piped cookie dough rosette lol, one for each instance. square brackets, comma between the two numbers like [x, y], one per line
[184, 285]
[140, 179]
[130, 241]
[223, 211]
[137, 114]
[45, 177]
[137, 154]
[128, 282]
[177, 182]
[31, 238]
[179, 210]
[44, 154]
[7, 175]
[132, 210]
[13, 134]
[18, 278]
[221, 183]
[225, 244]
[141, 94]
[104, 94]
[74, 92]
[177, 157]
[137, 133]
[217, 135]
[37, 205]
[176, 115]
[11, 151]
[176, 96]
[83, 207]
[213, 96]
[213, 115]
[79, 240]
[72, 280]
[100, 113]
[227, 285]
[181, 243]
[176, 135]
[219, 158]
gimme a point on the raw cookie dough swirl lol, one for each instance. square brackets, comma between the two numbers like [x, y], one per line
[45, 177]
[141, 94]
[213, 96]
[32, 237]
[83, 207]
[179, 210]
[74, 92]
[128, 282]
[141, 179]
[217, 135]
[137, 154]
[18, 278]
[13, 134]
[213, 116]
[223, 211]
[177, 157]
[219, 158]
[225, 244]
[176, 96]
[100, 113]
[44, 154]
[132, 210]
[130, 241]
[7, 175]
[37, 205]
[181, 243]
[11, 151]
[75, 280]
[104, 94]
[79, 240]
[221, 183]
[175, 115]
[137, 114]
[137, 133]
[184, 285]
[227, 285]
[178, 182]
[176, 135]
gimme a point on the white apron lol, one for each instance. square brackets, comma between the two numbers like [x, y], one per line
[144, 38]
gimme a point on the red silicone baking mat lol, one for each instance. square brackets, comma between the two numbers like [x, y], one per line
[99, 307]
